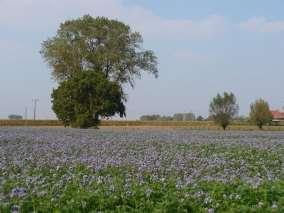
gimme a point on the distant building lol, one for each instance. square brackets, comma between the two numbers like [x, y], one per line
[277, 115]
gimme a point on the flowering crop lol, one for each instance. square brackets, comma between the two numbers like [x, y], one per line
[140, 169]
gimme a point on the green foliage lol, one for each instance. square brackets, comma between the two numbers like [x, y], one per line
[98, 44]
[116, 190]
[108, 53]
[260, 113]
[62, 103]
[80, 100]
[223, 109]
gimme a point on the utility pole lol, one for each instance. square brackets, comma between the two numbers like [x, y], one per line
[26, 116]
[26, 113]
[35, 101]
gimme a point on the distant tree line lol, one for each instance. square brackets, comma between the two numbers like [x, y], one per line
[15, 117]
[176, 117]
[223, 109]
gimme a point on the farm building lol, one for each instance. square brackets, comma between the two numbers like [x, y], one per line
[277, 115]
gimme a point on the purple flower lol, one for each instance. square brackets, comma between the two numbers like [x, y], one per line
[18, 192]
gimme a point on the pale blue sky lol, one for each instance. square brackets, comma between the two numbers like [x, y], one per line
[204, 47]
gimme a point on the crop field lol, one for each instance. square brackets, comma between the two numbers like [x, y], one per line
[140, 170]
[194, 125]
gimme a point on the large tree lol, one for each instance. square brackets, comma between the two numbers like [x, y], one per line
[223, 109]
[110, 54]
[98, 44]
[260, 113]
[82, 99]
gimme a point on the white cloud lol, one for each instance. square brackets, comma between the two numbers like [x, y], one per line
[42, 14]
[157, 27]
[261, 24]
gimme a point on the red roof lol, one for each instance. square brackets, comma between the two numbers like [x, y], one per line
[277, 114]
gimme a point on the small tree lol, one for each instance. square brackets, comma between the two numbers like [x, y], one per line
[200, 118]
[260, 113]
[223, 109]
[83, 99]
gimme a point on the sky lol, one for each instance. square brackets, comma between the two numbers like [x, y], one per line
[203, 47]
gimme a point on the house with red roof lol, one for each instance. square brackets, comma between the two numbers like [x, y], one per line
[277, 115]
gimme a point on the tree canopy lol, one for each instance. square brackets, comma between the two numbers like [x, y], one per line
[101, 45]
[80, 100]
[260, 113]
[223, 109]
[91, 59]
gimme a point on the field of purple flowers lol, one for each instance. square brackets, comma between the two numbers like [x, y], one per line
[140, 170]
